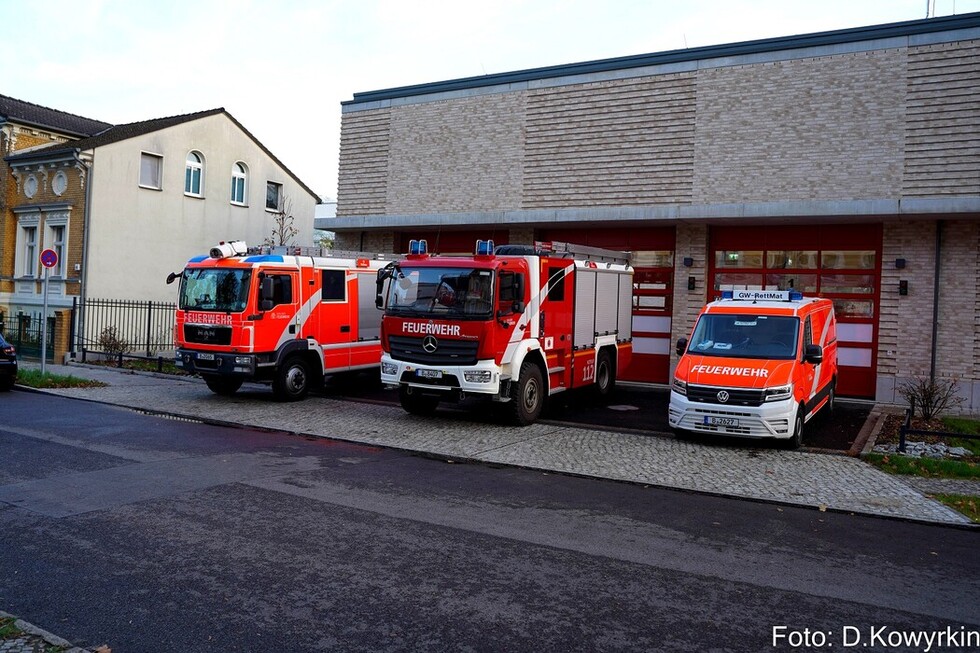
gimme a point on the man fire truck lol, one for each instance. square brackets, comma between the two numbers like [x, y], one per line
[517, 325]
[276, 315]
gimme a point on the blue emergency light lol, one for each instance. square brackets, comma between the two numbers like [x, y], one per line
[727, 294]
[795, 295]
[484, 248]
[418, 247]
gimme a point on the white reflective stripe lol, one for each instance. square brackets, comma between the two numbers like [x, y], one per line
[651, 302]
[351, 345]
[854, 356]
[657, 346]
[855, 332]
[651, 324]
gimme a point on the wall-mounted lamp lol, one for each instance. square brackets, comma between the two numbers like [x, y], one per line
[899, 264]
[688, 261]
[903, 287]
[691, 282]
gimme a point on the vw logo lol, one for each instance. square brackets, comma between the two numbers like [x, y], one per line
[430, 344]
[722, 396]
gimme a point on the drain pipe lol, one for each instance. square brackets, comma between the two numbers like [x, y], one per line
[935, 300]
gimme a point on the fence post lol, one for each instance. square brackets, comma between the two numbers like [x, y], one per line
[906, 425]
[149, 322]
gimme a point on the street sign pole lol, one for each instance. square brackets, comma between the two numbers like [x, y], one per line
[49, 259]
[44, 325]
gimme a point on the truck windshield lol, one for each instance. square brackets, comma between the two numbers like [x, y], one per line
[213, 289]
[463, 292]
[745, 336]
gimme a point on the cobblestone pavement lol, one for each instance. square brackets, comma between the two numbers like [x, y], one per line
[809, 479]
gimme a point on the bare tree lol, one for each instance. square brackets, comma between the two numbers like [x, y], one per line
[283, 230]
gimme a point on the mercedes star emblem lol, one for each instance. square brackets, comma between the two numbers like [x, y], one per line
[430, 344]
[723, 396]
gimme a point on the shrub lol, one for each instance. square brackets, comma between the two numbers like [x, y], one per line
[111, 343]
[931, 396]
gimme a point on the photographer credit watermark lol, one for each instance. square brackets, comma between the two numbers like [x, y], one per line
[877, 637]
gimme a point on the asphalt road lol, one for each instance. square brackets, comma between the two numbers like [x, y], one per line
[149, 534]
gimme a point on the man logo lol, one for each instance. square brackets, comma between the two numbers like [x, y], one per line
[723, 396]
[430, 344]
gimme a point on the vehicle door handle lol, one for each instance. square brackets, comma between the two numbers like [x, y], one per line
[345, 328]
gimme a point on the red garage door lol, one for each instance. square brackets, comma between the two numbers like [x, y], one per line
[841, 262]
[653, 263]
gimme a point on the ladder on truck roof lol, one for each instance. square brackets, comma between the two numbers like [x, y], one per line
[321, 252]
[591, 253]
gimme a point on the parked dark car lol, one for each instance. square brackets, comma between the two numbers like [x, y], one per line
[8, 364]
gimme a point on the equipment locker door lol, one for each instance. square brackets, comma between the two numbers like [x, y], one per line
[555, 322]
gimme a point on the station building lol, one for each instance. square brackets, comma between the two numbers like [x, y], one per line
[844, 164]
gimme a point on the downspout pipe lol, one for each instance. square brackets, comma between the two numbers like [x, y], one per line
[86, 240]
[935, 300]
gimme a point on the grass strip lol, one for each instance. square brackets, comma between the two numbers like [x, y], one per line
[34, 379]
[925, 467]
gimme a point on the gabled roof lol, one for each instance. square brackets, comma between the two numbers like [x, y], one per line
[27, 113]
[134, 129]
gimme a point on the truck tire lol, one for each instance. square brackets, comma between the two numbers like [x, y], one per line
[417, 403]
[605, 374]
[225, 386]
[527, 395]
[292, 380]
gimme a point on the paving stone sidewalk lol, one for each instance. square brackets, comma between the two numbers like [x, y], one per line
[34, 640]
[831, 482]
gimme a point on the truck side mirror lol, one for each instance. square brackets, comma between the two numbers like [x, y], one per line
[813, 354]
[266, 294]
[681, 346]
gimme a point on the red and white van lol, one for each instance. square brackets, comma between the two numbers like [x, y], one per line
[759, 364]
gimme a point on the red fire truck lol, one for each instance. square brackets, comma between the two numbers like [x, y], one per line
[276, 315]
[517, 324]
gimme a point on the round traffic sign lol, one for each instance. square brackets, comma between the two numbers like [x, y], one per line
[49, 258]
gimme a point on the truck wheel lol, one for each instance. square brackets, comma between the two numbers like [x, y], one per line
[223, 385]
[417, 403]
[796, 439]
[605, 374]
[527, 395]
[292, 380]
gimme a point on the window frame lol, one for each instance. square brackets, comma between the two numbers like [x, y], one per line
[278, 203]
[29, 250]
[239, 173]
[194, 171]
[144, 155]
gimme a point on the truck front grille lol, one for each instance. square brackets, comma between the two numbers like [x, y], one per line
[447, 352]
[207, 334]
[736, 397]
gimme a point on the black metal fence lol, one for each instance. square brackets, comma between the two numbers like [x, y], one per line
[115, 326]
[24, 333]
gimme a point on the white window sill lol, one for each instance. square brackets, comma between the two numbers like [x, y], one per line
[149, 187]
[194, 196]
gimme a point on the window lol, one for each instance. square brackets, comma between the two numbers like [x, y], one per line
[30, 251]
[58, 245]
[151, 171]
[556, 284]
[193, 174]
[239, 179]
[273, 196]
[334, 286]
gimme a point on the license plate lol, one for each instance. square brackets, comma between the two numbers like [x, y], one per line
[720, 421]
[430, 374]
[205, 357]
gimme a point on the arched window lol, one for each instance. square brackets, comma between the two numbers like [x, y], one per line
[194, 175]
[239, 183]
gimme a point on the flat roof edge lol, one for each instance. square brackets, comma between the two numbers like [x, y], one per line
[835, 37]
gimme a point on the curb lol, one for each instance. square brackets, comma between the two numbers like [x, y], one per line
[51, 639]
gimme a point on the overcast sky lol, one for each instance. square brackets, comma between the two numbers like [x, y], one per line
[283, 68]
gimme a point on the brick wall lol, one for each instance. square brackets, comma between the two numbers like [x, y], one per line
[619, 143]
[942, 152]
[691, 241]
[363, 175]
[460, 155]
[824, 128]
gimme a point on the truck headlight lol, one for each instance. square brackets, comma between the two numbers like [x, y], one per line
[779, 393]
[678, 386]
[243, 360]
[389, 369]
[478, 376]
